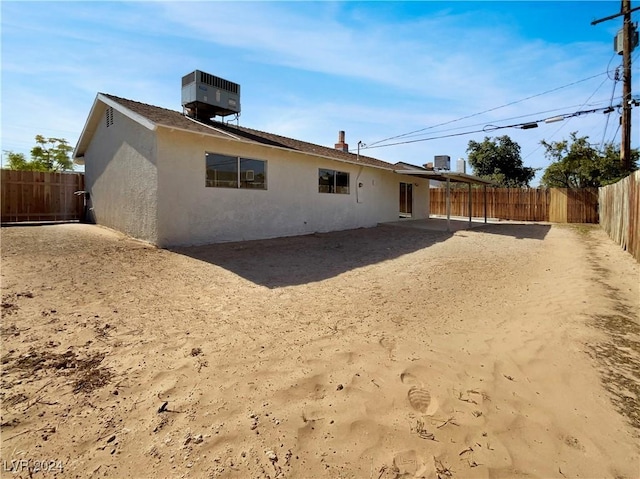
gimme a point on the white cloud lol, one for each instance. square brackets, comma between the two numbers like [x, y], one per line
[307, 70]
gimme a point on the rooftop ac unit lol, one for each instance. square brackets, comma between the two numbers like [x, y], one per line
[442, 162]
[205, 96]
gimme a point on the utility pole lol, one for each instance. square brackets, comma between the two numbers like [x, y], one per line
[625, 139]
[628, 44]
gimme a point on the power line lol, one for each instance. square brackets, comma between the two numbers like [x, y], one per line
[561, 127]
[582, 105]
[615, 79]
[486, 111]
[613, 91]
[488, 128]
[609, 64]
[613, 139]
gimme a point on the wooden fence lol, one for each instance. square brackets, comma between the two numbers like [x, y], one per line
[41, 196]
[620, 213]
[559, 205]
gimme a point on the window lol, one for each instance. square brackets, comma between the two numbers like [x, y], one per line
[253, 174]
[331, 181]
[234, 172]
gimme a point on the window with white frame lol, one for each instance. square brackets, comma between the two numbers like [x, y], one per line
[225, 171]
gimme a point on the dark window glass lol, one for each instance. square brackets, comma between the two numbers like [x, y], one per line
[253, 174]
[331, 181]
[342, 182]
[406, 199]
[326, 181]
[222, 171]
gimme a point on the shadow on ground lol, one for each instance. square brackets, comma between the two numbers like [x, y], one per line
[518, 231]
[305, 259]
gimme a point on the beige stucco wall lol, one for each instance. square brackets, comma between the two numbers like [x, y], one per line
[191, 213]
[121, 177]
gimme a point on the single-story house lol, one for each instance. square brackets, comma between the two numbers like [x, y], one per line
[174, 179]
[167, 178]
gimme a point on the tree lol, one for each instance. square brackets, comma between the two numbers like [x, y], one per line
[52, 153]
[17, 161]
[499, 160]
[49, 154]
[577, 164]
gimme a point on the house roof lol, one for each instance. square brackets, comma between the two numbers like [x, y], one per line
[154, 117]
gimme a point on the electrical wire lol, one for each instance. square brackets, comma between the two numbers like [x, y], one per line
[485, 111]
[561, 127]
[609, 64]
[606, 125]
[582, 105]
[490, 128]
[484, 129]
[613, 138]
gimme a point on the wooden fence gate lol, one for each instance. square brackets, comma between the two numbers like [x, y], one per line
[41, 196]
[568, 205]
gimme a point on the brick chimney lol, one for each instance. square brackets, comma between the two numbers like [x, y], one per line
[341, 145]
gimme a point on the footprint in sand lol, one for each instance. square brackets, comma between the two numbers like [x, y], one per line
[406, 463]
[408, 378]
[388, 343]
[419, 397]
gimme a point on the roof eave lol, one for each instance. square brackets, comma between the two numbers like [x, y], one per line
[79, 150]
[444, 176]
[218, 136]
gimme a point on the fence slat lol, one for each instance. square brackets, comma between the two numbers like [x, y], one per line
[40, 196]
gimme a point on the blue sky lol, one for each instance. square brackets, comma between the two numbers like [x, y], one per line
[309, 69]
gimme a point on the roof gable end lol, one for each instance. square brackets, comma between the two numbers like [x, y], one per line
[100, 104]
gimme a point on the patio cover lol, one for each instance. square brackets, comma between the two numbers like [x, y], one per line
[448, 177]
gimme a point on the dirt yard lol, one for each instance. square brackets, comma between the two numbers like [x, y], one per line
[507, 351]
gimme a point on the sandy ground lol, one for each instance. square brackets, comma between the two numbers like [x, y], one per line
[507, 351]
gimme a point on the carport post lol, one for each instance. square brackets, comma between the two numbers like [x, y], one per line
[470, 205]
[485, 204]
[448, 206]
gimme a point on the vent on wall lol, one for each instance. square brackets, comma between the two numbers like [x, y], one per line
[109, 116]
[205, 96]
